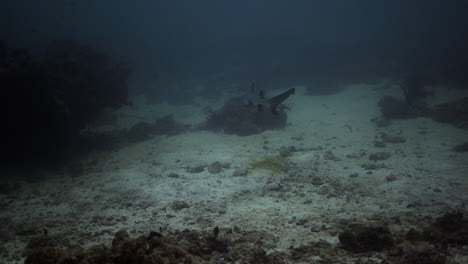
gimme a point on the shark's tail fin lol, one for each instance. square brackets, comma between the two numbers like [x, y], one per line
[275, 101]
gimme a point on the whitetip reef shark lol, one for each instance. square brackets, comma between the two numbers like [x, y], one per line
[263, 103]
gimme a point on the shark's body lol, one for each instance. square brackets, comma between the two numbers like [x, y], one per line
[271, 104]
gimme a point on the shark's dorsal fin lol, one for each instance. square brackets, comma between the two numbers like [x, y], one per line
[262, 95]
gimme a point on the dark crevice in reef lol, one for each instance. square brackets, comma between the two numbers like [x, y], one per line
[48, 99]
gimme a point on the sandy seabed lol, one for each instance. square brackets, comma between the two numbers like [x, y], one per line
[330, 181]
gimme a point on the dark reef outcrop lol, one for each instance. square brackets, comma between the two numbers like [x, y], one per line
[461, 147]
[87, 80]
[393, 108]
[413, 105]
[47, 100]
[453, 112]
[359, 239]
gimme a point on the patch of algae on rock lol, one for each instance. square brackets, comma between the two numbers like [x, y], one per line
[275, 164]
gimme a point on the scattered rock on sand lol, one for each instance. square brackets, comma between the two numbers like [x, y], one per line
[380, 144]
[373, 166]
[273, 187]
[287, 151]
[215, 167]
[393, 139]
[379, 156]
[381, 121]
[196, 169]
[179, 205]
[317, 181]
[240, 172]
[324, 190]
[298, 138]
[330, 156]
[226, 165]
[391, 178]
[173, 175]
